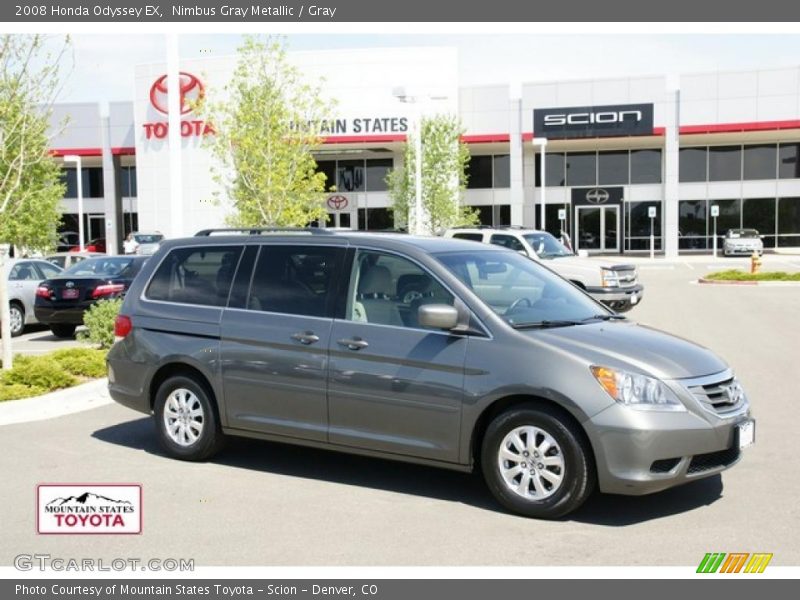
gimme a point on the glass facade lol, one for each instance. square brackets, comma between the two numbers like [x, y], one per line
[91, 179]
[356, 175]
[613, 167]
[581, 169]
[638, 223]
[489, 171]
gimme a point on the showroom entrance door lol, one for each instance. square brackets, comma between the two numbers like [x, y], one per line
[598, 228]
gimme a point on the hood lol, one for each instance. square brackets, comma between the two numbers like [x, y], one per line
[625, 344]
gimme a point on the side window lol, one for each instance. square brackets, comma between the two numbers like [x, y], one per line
[507, 241]
[295, 280]
[23, 271]
[388, 290]
[47, 269]
[59, 261]
[198, 275]
[473, 237]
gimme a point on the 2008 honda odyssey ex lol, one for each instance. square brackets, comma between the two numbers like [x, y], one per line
[436, 351]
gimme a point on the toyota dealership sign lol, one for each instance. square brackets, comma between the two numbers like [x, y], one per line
[191, 90]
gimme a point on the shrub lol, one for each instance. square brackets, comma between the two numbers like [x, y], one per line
[82, 362]
[15, 391]
[736, 275]
[37, 372]
[99, 321]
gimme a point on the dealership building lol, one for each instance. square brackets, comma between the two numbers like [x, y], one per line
[622, 157]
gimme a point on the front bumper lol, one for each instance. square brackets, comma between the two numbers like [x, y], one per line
[616, 294]
[740, 251]
[639, 452]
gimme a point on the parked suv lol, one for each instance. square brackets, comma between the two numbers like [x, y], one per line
[430, 350]
[615, 285]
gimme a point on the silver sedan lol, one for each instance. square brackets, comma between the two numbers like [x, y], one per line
[23, 277]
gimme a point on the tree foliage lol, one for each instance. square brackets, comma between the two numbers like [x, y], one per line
[267, 124]
[444, 161]
[30, 184]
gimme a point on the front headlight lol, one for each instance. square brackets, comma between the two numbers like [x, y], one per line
[609, 278]
[637, 391]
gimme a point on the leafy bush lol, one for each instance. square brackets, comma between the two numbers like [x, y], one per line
[99, 321]
[15, 391]
[736, 275]
[82, 362]
[37, 372]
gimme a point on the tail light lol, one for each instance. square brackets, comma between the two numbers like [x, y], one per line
[43, 292]
[109, 289]
[122, 326]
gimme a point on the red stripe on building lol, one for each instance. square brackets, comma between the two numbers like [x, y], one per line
[363, 139]
[486, 138]
[740, 127]
[118, 151]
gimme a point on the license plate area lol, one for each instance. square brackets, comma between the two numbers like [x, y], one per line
[70, 294]
[746, 434]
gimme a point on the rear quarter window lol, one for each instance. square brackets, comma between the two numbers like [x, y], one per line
[198, 275]
[472, 237]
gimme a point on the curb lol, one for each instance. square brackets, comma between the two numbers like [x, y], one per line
[56, 404]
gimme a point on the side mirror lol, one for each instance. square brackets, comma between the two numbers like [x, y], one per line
[438, 316]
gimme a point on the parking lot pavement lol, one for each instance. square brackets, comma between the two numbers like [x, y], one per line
[37, 339]
[261, 503]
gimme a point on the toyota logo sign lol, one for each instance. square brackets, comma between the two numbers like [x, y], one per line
[597, 196]
[191, 90]
[337, 202]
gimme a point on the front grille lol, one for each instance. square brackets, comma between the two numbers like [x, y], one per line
[665, 465]
[723, 397]
[627, 278]
[713, 460]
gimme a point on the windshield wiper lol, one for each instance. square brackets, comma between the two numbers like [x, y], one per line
[545, 324]
[604, 317]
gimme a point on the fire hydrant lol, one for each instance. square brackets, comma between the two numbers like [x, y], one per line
[755, 263]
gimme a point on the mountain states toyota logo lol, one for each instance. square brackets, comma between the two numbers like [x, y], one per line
[88, 508]
[190, 87]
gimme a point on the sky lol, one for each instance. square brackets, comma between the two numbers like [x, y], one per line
[102, 65]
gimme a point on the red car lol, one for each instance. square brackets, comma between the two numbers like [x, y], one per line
[96, 245]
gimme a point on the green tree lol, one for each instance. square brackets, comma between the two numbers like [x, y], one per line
[444, 178]
[267, 124]
[30, 186]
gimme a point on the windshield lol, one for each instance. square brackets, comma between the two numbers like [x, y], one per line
[102, 267]
[743, 233]
[546, 246]
[522, 292]
[148, 238]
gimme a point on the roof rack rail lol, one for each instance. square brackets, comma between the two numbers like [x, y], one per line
[261, 230]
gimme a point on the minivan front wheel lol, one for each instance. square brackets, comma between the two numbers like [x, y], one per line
[536, 463]
[187, 425]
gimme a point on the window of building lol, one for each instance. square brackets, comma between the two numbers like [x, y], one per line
[128, 182]
[295, 280]
[479, 172]
[350, 176]
[502, 214]
[552, 223]
[692, 224]
[375, 219]
[638, 222]
[582, 169]
[692, 164]
[725, 163]
[555, 170]
[197, 275]
[646, 166]
[730, 215]
[759, 214]
[377, 171]
[502, 170]
[612, 168]
[789, 161]
[484, 215]
[760, 162]
[788, 222]
[91, 179]
[329, 168]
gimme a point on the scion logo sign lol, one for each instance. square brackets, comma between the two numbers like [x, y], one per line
[191, 90]
[593, 121]
[597, 196]
[88, 508]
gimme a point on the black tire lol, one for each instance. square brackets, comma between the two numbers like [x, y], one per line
[17, 331]
[63, 331]
[210, 439]
[578, 471]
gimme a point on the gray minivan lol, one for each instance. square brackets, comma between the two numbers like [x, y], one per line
[435, 351]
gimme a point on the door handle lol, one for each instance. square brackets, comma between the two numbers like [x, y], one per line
[355, 343]
[306, 337]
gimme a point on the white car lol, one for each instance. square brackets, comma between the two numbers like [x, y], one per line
[615, 285]
[23, 277]
[742, 242]
[147, 242]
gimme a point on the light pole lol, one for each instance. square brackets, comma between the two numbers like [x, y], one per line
[74, 158]
[542, 143]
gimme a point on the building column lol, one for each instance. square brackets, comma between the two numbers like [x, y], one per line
[112, 198]
[671, 146]
[517, 193]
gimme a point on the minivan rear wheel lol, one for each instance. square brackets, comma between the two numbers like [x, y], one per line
[537, 463]
[187, 424]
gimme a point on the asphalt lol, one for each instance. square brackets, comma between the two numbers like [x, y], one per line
[261, 503]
